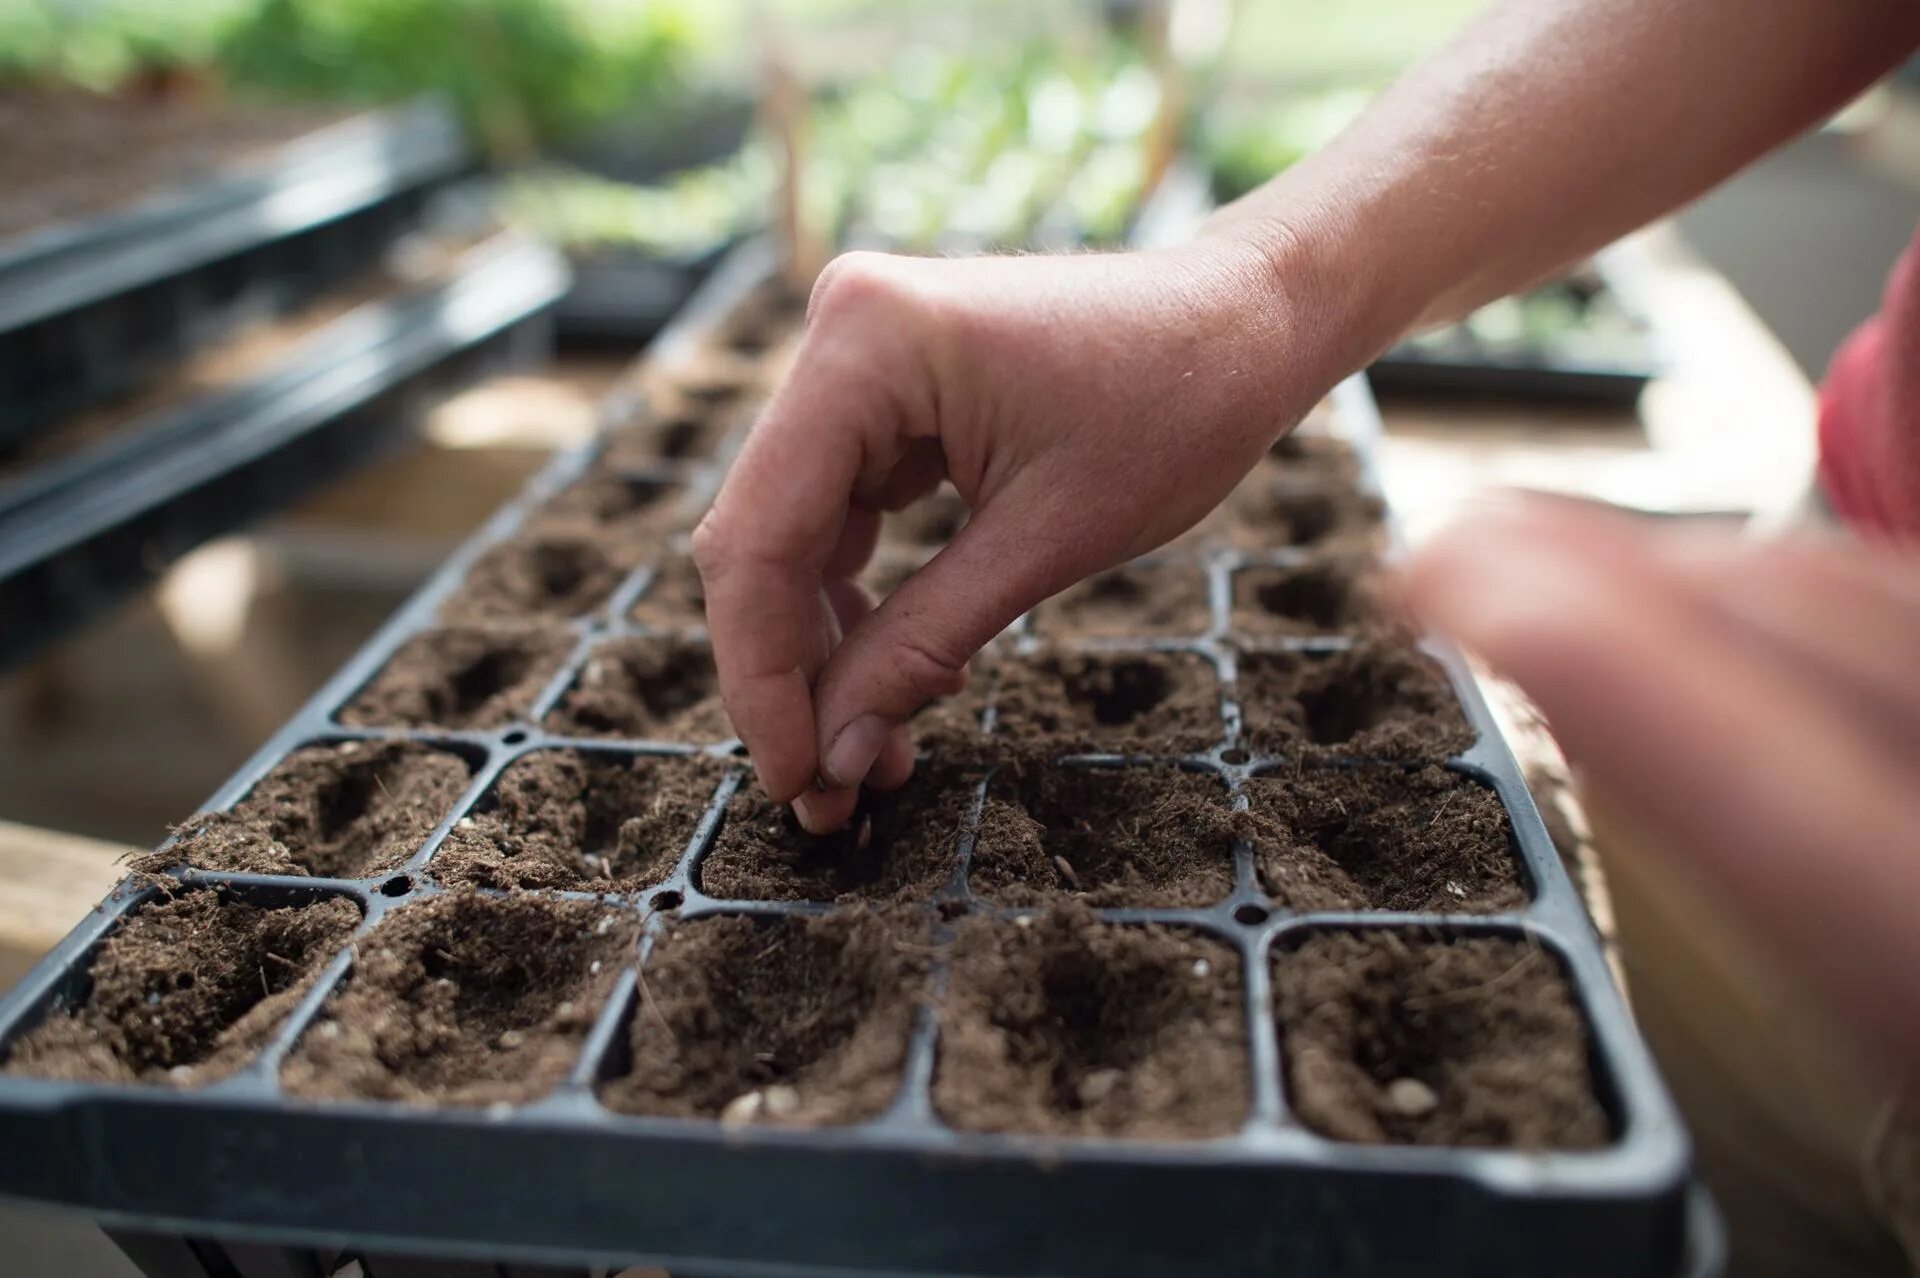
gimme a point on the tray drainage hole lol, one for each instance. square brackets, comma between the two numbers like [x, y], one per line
[1251, 915]
[515, 737]
[668, 901]
[1234, 757]
[398, 885]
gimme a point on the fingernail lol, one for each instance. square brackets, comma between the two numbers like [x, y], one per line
[854, 750]
[808, 811]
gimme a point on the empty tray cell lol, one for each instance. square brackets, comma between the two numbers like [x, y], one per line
[1383, 838]
[1271, 510]
[771, 315]
[1144, 836]
[1403, 1038]
[462, 677]
[626, 506]
[675, 598]
[1065, 1025]
[657, 688]
[186, 990]
[555, 573]
[1325, 595]
[1377, 700]
[1136, 600]
[1130, 703]
[927, 524]
[582, 821]
[691, 435]
[899, 843]
[345, 811]
[795, 1022]
[464, 999]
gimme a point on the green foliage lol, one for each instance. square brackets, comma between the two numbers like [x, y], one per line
[99, 44]
[520, 71]
[1248, 141]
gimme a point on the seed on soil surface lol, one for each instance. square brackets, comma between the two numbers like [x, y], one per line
[462, 677]
[578, 820]
[187, 990]
[336, 811]
[660, 688]
[464, 999]
[557, 574]
[630, 507]
[1145, 600]
[1382, 838]
[808, 1015]
[928, 523]
[675, 598]
[1381, 699]
[901, 843]
[1070, 1026]
[1325, 595]
[1133, 703]
[1136, 836]
[1375, 1024]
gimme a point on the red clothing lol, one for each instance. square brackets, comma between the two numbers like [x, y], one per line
[1870, 415]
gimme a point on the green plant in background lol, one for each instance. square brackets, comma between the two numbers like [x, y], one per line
[685, 216]
[1246, 139]
[103, 44]
[521, 72]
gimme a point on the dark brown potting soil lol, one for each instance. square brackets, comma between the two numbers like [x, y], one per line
[1137, 836]
[462, 999]
[582, 821]
[555, 573]
[187, 990]
[1318, 459]
[927, 524]
[659, 687]
[1065, 1025]
[792, 1022]
[462, 677]
[768, 317]
[692, 434]
[1269, 511]
[1381, 699]
[903, 843]
[1325, 595]
[344, 811]
[1156, 601]
[631, 509]
[1397, 1038]
[675, 599]
[1383, 838]
[1132, 703]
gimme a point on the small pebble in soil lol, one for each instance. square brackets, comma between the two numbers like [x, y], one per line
[1400, 1037]
[798, 1022]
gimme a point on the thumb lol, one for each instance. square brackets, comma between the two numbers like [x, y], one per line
[915, 647]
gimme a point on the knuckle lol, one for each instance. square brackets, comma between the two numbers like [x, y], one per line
[851, 283]
[710, 545]
[925, 673]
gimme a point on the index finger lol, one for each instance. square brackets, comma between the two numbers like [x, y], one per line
[762, 549]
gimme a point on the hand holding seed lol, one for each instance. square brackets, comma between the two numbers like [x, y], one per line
[1088, 409]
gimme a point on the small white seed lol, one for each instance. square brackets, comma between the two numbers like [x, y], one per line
[782, 1101]
[604, 926]
[1098, 1085]
[741, 1110]
[510, 1039]
[1201, 967]
[1411, 1098]
[593, 968]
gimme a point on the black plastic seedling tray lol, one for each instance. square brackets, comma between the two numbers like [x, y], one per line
[79, 533]
[1484, 374]
[90, 306]
[563, 1183]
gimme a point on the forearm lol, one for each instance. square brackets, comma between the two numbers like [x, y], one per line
[1543, 132]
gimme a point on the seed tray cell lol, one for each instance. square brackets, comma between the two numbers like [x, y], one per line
[920, 1046]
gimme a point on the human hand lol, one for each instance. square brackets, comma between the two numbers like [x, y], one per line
[1087, 408]
[1751, 707]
